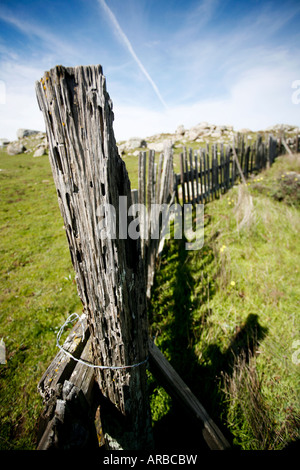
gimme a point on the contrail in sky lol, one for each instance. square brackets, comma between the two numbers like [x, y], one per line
[127, 43]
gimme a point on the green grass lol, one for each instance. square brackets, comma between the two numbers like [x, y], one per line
[238, 297]
[37, 290]
[240, 291]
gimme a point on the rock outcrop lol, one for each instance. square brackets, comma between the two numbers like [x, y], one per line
[28, 141]
[21, 133]
[14, 148]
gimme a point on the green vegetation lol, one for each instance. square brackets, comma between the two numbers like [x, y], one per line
[226, 316]
[37, 290]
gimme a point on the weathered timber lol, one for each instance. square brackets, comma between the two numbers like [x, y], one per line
[202, 178]
[162, 193]
[69, 421]
[142, 199]
[238, 164]
[286, 146]
[192, 176]
[176, 387]
[187, 176]
[182, 179]
[89, 174]
[151, 243]
[208, 174]
[62, 365]
[68, 391]
[197, 178]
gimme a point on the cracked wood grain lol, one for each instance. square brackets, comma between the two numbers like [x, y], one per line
[88, 173]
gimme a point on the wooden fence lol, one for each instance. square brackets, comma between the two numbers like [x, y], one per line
[155, 187]
[109, 346]
[205, 173]
[208, 172]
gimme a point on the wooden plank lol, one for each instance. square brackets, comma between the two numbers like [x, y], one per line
[216, 172]
[152, 243]
[182, 178]
[176, 184]
[167, 181]
[227, 166]
[264, 158]
[201, 177]
[176, 387]
[205, 173]
[187, 173]
[233, 168]
[217, 178]
[258, 159]
[222, 167]
[170, 181]
[238, 164]
[192, 178]
[209, 170]
[222, 173]
[142, 177]
[242, 152]
[83, 377]
[68, 421]
[159, 176]
[213, 172]
[154, 178]
[150, 200]
[59, 377]
[252, 150]
[287, 148]
[142, 197]
[134, 196]
[247, 156]
[197, 178]
[150, 180]
[62, 365]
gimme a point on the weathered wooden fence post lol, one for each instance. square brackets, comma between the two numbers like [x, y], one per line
[93, 191]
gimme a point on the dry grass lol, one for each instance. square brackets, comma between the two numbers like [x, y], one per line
[244, 210]
[249, 410]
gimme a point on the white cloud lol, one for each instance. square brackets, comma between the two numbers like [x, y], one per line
[20, 109]
[260, 98]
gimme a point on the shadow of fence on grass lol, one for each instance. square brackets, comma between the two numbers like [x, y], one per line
[173, 321]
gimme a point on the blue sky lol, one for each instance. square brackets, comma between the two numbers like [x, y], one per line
[167, 62]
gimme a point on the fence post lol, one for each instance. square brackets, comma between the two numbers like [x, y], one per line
[192, 176]
[188, 179]
[142, 199]
[182, 178]
[89, 173]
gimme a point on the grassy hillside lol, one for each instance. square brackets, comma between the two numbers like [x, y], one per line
[227, 317]
[239, 293]
[37, 290]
